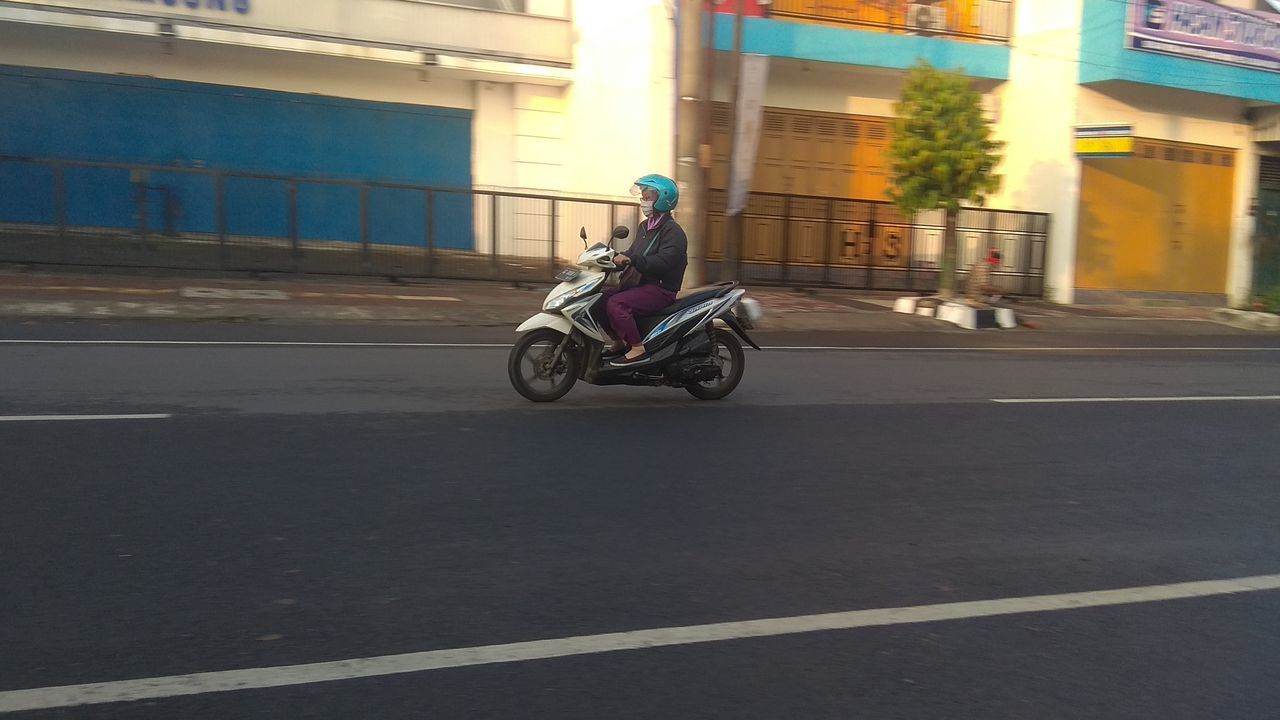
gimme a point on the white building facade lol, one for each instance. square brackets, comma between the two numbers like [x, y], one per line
[551, 98]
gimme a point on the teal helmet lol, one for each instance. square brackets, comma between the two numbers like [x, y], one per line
[668, 193]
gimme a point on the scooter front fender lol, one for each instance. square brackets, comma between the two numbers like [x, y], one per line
[559, 323]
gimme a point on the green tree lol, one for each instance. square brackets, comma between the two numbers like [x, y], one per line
[942, 153]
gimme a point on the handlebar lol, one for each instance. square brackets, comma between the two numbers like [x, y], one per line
[611, 265]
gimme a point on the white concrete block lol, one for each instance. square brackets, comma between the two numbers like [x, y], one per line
[926, 311]
[1006, 319]
[959, 314]
[906, 305]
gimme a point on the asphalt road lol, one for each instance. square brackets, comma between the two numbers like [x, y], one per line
[306, 503]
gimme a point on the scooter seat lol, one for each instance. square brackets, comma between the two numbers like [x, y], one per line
[691, 297]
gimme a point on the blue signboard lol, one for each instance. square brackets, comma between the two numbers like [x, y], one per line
[1204, 30]
[239, 7]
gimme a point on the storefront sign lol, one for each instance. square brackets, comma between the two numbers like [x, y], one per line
[1100, 141]
[397, 25]
[238, 7]
[1203, 30]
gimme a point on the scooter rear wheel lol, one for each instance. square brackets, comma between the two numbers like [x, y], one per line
[530, 371]
[727, 352]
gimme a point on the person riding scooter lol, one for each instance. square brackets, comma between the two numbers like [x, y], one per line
[654, 269]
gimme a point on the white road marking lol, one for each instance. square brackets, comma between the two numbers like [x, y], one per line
[465, 346]
[1018, 348]
[1140, 319]
[427, 298]
[254, 343]
[281, 676]
[231, 294]
[1187, 398]
[64, 418]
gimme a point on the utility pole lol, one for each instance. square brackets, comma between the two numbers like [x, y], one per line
[707, 132]
[693, 103]
[733, 235]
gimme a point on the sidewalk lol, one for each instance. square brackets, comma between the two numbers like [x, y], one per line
[146, 294]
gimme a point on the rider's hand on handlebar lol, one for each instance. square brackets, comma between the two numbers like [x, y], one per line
[620, 260]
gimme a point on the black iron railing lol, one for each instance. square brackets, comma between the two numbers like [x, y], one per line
[113, 214]
[819, 241]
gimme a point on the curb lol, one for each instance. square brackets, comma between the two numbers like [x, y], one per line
[1247, 320]
[244, 313]
[457, 315]
[96, 310]
[281, 314]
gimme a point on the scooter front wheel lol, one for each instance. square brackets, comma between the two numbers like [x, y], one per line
[530, 366]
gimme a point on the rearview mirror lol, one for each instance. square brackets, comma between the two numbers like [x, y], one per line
[583, 234]
[620, 232]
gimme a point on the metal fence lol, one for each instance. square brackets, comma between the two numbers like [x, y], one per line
[111, 214]
[119, 215]
[817, 241]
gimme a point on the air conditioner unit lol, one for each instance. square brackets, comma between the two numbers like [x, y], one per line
[926, 17]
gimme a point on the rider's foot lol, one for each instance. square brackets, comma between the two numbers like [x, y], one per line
[635, 356]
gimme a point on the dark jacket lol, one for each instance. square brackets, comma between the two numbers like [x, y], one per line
[665, 260]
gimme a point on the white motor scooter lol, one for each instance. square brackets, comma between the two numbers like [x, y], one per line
[692, 344]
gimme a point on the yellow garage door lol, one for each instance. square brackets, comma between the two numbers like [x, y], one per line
[810, 153]
[1159, 220]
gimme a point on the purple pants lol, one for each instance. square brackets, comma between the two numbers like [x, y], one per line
[622, 306]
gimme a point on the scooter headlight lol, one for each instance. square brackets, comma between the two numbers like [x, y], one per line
[560, 300]
[564, 298]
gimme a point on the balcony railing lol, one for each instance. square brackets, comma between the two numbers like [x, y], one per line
[983, 20]
[549, 8]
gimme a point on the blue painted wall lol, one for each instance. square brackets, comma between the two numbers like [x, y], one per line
[1104, 57]
[825, 43]
[83, 116]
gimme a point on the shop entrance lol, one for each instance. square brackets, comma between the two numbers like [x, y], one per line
[1267, 262]
[1156, 221]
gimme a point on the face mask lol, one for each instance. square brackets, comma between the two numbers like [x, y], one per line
[646, 207]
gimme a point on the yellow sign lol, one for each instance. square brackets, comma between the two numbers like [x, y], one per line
[1104, 146]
